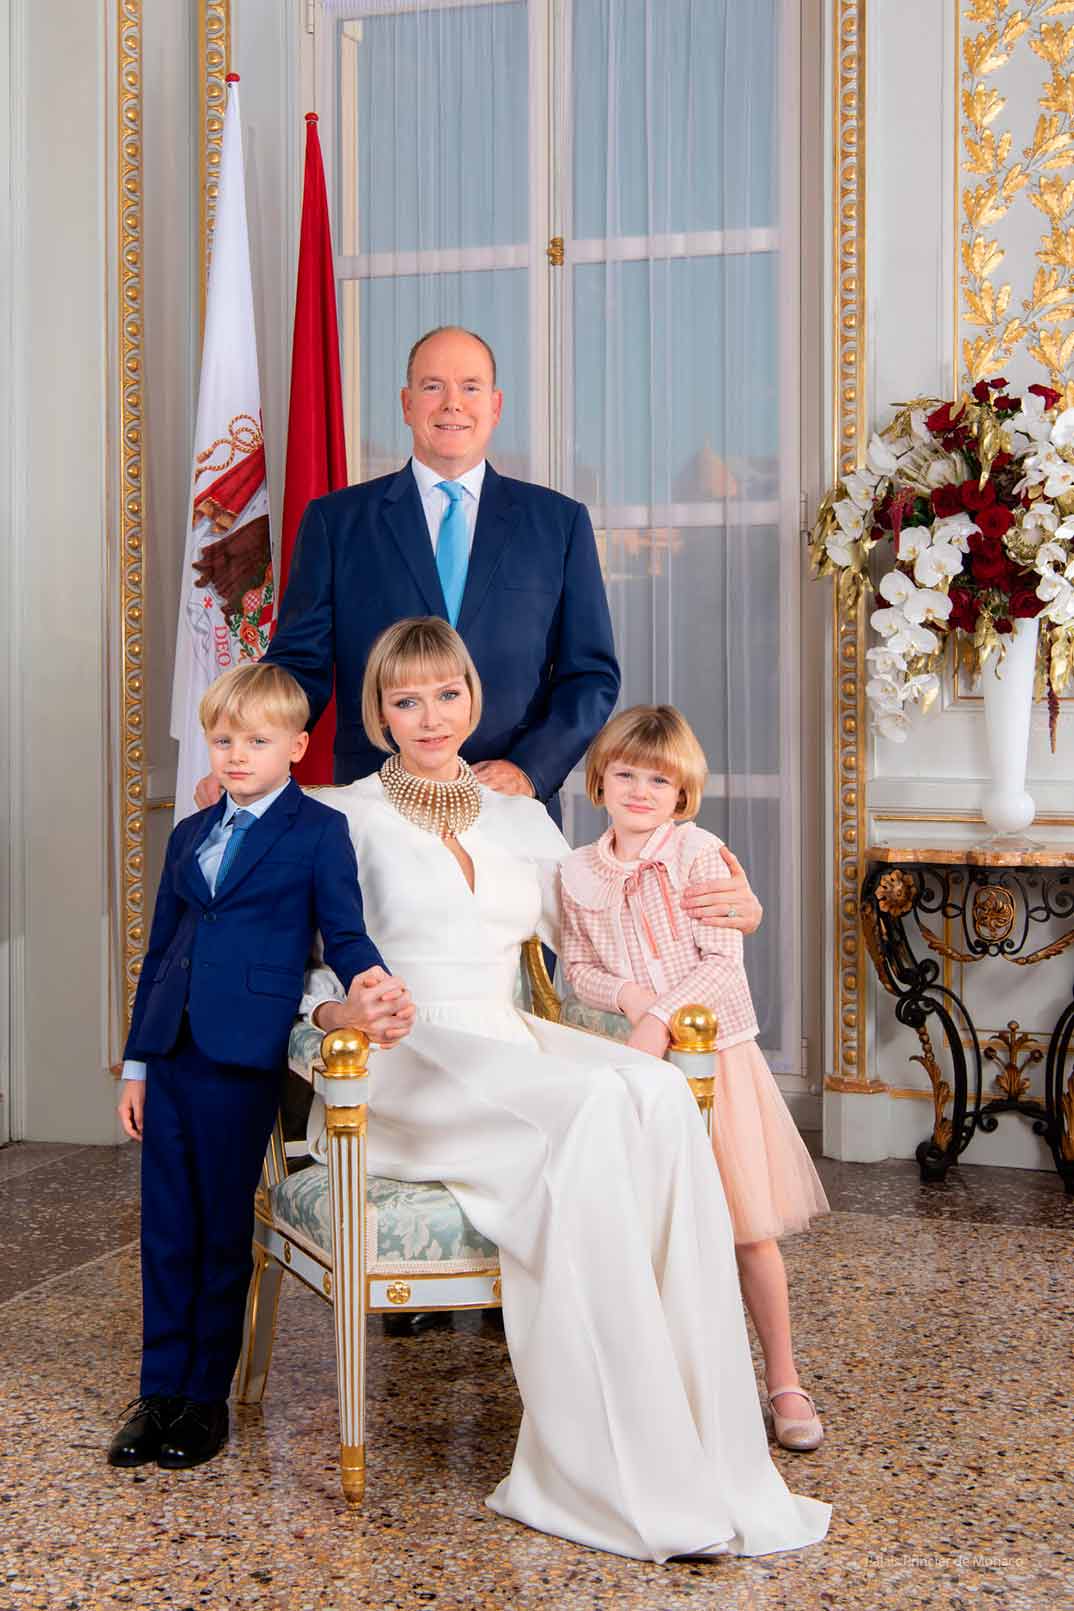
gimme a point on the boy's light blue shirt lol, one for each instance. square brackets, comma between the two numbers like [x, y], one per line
[210, 856]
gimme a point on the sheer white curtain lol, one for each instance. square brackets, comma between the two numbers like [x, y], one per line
[653, 375]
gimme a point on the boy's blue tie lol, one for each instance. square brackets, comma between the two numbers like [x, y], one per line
[239, 824]
[452, 548]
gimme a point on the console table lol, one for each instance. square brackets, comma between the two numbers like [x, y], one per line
[994, 899]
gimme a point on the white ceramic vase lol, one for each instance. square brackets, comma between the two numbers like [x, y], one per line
[1007, 687]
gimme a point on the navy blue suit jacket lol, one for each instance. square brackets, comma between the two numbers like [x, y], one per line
[534, 616]
[236, 961]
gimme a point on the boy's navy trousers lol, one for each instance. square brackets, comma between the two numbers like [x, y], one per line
[205, 1132]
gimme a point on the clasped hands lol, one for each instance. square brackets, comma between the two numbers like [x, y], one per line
[377, 1003]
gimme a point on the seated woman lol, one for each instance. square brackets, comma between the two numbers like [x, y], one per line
[586, 1162]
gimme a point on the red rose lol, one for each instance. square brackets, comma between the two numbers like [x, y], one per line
[1049, 394]
[976, 497]
[1004, 624]
[995, 521]
[946, 500]
[1001, 461]
[998, 384]
[989, 565]
[964, 609]
[981, 391]
[942, 420]
[1025, 603]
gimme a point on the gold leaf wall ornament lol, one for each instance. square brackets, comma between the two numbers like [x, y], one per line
[1029, 312]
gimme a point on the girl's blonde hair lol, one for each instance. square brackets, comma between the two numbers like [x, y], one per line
[253, 693]
[421, 648]
[654, 736]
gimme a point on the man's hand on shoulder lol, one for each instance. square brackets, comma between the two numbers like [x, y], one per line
[503, 776]
[206, 792]
[727, 903]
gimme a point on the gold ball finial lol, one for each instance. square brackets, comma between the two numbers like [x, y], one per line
[344, 1053]
[694, 1029]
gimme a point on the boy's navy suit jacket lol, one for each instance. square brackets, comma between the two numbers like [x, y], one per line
[534, 616]
[236, 961]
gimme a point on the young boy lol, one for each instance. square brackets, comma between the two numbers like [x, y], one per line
[246, 884]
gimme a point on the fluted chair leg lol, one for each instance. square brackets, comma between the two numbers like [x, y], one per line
[262, 1302]
[345, 1055]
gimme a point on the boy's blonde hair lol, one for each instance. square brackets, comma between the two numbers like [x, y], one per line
[654, 736]
[421, 648]
[253, 693]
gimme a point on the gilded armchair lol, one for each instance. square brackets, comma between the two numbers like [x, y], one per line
[371, 1246]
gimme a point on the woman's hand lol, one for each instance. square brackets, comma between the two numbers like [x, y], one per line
[377, 1003]
[725, 903]
[649, 1035]
[132, 1107]
[635, 1001]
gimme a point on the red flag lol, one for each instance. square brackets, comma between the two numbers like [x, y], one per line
[316, 444]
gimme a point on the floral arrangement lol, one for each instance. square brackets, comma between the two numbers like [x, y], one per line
[974, 504]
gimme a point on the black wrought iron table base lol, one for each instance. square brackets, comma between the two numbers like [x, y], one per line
[990, 901]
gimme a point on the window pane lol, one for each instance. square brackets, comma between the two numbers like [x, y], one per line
[393, 313]
[674, 115]
[672, 357]
[439, 102]
[676, 598]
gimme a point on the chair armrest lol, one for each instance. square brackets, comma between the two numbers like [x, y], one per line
[543, 999]
[694, 1031]
[335, 1064]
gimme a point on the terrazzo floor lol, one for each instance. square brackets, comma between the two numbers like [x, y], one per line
[933, 1324]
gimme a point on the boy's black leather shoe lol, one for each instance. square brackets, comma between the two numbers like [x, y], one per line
[139, 1438]
[197, 1433]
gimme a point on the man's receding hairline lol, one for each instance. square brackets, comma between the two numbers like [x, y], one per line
[449, 329]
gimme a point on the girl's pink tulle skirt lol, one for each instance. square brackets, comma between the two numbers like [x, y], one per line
[771, 1186]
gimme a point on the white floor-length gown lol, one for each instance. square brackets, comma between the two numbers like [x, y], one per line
[588, 1165]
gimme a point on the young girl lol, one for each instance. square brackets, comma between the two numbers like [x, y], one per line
[629, 947]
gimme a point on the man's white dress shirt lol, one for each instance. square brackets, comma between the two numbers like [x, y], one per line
[435, 502]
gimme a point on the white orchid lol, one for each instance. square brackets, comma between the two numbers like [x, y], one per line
[1031, 420]
[839, 551]
[861, 487]
[903, 636]
[1058, 596]
[918, 429]
[879, 689]
[956, 530]
[896, 587]
[880, 457]
[893, 725]
[922, 688]
[936, 565]
[913, 540]
[1062, 433]
[884, 663]
[1048, 556]
[850, 517]
[950, 470]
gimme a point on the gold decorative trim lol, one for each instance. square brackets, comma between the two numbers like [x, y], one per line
[346, 1120]
[1032, 48]
[214, 64]
[848, 622]
[132, 763]
[546, 1003]
[352, 1471]
[497, 1288]
[398, 1292]
[1005, 1048]
[941, 1091]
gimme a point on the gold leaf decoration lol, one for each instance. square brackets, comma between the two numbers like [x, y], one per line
[1030, 311]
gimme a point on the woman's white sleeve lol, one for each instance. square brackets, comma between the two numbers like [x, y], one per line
[320, 983]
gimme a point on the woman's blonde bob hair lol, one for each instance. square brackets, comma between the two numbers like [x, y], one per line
[420, 649]
[253, 693]
[657, 737]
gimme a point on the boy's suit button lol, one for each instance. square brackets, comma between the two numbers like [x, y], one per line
[208, 917]
[184, 962]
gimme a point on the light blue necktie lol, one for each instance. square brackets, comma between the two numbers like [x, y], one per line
[239, 824]
[452, 547]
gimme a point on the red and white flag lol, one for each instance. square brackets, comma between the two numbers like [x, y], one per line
[316, 442]
[226, 597]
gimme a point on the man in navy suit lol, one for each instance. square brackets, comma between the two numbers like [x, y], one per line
[246, 884]
[513, 566]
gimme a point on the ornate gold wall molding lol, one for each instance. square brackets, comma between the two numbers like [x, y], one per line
[848, 623]
[214, 64]
[132, 766]
[1015, 176]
